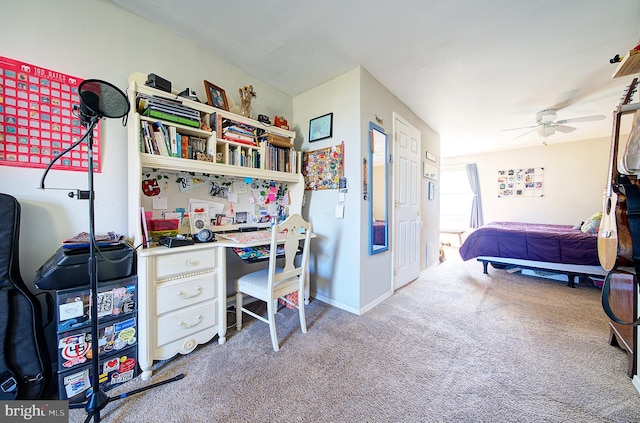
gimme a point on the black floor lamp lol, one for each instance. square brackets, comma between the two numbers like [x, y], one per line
[98, 99]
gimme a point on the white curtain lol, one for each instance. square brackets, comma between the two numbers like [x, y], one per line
[476, 205]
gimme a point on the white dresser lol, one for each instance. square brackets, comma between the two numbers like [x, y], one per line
[182, 301]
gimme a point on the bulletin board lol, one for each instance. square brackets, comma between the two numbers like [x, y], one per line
[37, 120]
[323, 168]
[526, 182]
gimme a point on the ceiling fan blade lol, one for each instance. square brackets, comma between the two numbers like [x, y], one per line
[581, 119]
[528, 132]
[523, 127]
[564, 128]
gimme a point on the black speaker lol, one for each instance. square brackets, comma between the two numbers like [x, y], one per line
[205, 235]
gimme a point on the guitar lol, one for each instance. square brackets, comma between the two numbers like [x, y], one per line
[614, 241]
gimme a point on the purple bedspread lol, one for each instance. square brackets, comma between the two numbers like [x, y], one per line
[531, 241]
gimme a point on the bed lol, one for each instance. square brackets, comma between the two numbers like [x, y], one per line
[379, 232]
[556, 249]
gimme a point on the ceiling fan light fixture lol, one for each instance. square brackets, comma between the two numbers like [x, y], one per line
[546, 130]
[547, 116]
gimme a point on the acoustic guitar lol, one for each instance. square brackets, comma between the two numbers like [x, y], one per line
[614, 238]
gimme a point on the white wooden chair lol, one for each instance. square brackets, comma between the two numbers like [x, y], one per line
[275, 282]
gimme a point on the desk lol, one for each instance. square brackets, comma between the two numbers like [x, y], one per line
[182, 297]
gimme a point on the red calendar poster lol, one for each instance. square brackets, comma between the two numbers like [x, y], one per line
[37, 119]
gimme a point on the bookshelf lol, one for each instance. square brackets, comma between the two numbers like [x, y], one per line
[230, 137]
[227, 145]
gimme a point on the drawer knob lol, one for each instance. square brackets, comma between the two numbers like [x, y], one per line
[192, 262]
[187, 296]
[190, 325]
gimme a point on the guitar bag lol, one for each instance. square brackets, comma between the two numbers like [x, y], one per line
[25, 365]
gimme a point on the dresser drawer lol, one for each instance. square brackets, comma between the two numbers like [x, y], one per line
[186, 321]
[186, 262]
[180, 293]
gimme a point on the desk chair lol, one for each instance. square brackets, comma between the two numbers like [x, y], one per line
[270, 284]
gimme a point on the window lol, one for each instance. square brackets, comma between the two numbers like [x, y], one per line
[455, 198]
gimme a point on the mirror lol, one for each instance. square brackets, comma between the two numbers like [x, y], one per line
[378, 171]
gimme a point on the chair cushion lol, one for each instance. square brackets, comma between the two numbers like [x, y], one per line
[255, 284]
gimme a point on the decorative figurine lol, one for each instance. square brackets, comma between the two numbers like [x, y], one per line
[246, 95]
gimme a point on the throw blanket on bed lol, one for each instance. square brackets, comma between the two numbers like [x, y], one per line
[531, 241]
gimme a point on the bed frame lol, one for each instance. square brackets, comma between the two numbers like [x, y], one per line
[570, 270]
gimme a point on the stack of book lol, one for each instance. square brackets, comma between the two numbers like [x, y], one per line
[168, 109]
[238, 132]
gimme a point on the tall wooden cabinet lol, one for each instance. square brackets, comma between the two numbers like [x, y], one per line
[182, 291]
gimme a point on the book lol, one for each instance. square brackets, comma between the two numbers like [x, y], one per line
[173, 141]
[160, 142]
[184, 147]
[145, 231]
[162, 138]
[147, 133]
[240, 139]
[172, 118]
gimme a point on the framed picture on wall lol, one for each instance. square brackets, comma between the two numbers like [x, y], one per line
[321, 128]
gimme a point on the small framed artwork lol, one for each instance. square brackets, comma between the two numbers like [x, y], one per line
[432, 157]
[432, 190]
[430, 171]
[321, 128]
[216, 96]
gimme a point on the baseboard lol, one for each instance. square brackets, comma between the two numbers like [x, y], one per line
[334, 303]
[636, 382]
[376, 302]
[350, 309]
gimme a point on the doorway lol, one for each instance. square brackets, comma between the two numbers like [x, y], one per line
[407, 223]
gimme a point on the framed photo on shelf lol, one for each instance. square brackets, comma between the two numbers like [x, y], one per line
[216, 96]
[225, 220]
[241, 217]
[321, 128]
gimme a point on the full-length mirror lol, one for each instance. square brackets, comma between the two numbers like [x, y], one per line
[378, 217]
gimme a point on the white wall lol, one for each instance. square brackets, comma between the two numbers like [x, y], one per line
[575, 176]
[335, 265]
[345, 274]
[378, 101]
[97, 39]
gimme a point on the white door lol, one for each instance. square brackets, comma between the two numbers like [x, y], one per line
[407, 223]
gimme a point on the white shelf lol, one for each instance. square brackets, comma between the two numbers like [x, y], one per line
[186, 165]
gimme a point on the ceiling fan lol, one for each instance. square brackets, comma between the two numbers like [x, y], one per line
[546, 123]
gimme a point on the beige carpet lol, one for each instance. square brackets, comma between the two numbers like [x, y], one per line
[454, 346]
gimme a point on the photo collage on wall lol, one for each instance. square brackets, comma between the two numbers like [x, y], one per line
[526, 182]
[37, 119]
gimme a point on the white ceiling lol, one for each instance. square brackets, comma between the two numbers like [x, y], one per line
[468, 68]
